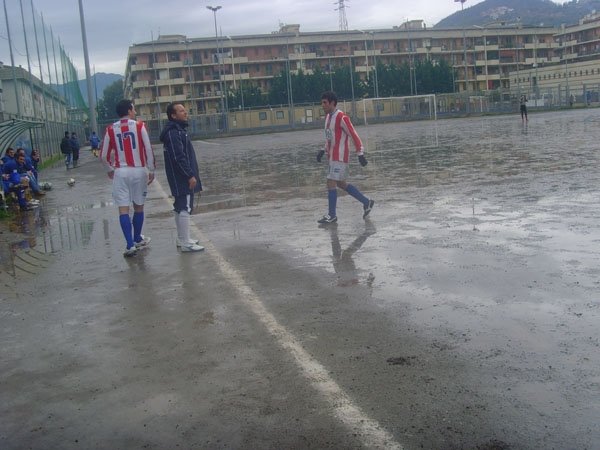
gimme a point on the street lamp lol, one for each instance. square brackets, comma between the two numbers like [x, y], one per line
[375, 83]
[366, 53]
[214, 9]
[375, 65]
[233, 73]
[188, 63]
[351, 78]
[412, 74]
[462, 6]
[290, 91]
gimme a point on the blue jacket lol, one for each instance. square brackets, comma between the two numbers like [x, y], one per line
[180, 158]
[94, 141]
[74, 144]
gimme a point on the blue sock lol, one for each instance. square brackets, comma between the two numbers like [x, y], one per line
[125, 221]
[21, 198]
[332, 197]
[354, 192]
[138, 221]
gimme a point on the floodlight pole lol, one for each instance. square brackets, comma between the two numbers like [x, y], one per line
[91, 100]
[214, 9]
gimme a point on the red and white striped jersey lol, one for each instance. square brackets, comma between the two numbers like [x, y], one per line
[338, 132]
[126, 144]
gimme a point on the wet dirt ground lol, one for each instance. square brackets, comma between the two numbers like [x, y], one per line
[463, 315]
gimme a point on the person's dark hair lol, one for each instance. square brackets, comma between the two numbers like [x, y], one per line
[123, 107]
[8, 150]
[329, 96]
[66, 133]
[171, 109]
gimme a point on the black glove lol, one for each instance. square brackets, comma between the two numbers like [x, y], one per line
[362, 160]
[320, 155]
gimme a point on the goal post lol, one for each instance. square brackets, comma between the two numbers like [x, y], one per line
[413, 107]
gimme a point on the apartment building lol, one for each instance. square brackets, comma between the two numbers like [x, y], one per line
[197, 71]
[572, 74]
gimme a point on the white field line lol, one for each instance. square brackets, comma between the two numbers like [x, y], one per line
[367, 430]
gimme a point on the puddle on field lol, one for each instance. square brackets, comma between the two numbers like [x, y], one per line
[30, 239]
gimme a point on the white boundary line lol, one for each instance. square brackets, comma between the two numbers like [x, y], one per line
[367, 430]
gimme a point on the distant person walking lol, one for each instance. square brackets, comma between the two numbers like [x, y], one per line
[338, 133]
[95, 144]
[182, 171]
[523, 107]
[127, 154]
[75, 148]
[67, 150]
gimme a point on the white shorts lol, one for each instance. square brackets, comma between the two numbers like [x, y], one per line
[337, 171]
[130, 185]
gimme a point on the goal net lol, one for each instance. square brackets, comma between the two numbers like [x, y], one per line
[414, 107]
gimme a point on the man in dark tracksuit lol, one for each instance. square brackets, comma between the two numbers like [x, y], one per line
[182, 173]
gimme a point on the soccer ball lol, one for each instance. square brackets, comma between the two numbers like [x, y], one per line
[46, 186]
[71, 182]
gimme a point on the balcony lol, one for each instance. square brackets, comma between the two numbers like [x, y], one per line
[236, 60]
[135, 67]
[295, 56]
[144, 101]
[305, 71]
[168, 65]
[488, 77]
[140, 84]
[537, 60]
[170, 82]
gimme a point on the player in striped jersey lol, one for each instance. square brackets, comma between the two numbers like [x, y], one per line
[339, 131]
[127, 154]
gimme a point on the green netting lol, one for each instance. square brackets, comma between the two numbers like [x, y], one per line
[71, 85]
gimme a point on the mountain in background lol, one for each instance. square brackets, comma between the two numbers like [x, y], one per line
[100, 81]
[526, 12]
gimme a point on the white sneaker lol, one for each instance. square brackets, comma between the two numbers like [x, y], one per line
[191, 241]
[130, 252]
[191, 248]
[143, 243]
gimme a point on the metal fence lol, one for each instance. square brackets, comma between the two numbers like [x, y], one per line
[285, 117]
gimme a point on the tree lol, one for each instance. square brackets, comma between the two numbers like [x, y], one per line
[246, 95]
[112, 95]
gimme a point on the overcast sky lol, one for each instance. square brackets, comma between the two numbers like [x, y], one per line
[113, 25]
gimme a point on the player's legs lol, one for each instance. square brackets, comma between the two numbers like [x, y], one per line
[337, 171]
[122, 198]
[183, 207]
[138, 188]
[354, 192]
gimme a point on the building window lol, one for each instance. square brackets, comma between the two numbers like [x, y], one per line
[178, 90]
[279, 114]
[262, 115]
[174, 56]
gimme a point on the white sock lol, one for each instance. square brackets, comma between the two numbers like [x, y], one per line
[177, 224]
[184, 227]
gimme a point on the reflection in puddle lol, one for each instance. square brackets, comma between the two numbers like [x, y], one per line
[343, 259]
[34, 236]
